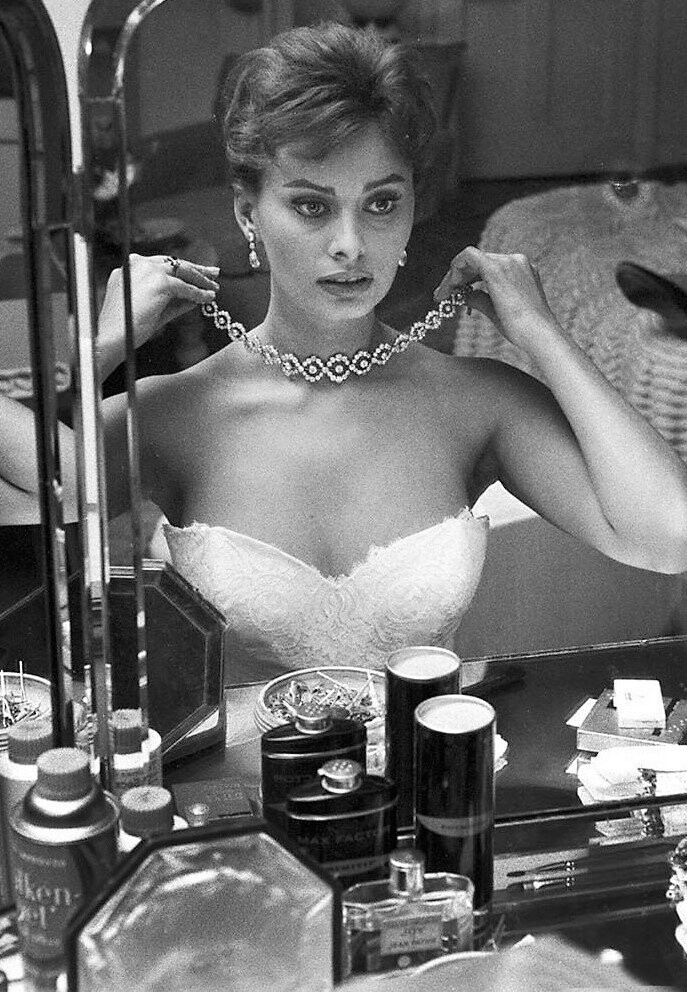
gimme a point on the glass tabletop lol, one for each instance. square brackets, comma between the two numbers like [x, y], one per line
[534, 696]
[617, 903]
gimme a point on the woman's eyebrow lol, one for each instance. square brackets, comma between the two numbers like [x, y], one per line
[394, 177]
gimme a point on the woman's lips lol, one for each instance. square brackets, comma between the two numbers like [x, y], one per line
[346, 287]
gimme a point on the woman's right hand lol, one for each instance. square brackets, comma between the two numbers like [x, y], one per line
[505, 288]
[161, 290]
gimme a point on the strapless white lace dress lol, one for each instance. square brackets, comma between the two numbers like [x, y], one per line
[283, 614]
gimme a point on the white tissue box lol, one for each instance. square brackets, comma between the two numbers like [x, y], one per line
[639, 704]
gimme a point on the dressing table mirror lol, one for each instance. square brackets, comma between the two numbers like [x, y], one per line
[66, 615]
[541, 590]
[149, 170]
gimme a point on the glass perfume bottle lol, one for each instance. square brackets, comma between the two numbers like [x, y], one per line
[406, 919]
[224, 906]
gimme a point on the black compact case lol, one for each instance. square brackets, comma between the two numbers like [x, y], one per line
[292, 753]
[345, 820]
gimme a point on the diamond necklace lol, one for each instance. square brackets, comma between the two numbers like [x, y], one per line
[337, 368]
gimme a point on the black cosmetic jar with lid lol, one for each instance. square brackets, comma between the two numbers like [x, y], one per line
[292, 753]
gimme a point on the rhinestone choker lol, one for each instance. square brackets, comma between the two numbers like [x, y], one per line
[337, 368]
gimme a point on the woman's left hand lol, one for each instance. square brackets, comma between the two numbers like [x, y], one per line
[505, 288]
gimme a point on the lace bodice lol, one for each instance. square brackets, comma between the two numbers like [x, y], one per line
[283, 613]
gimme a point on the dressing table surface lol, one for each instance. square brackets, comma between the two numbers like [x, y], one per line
[535, 698]
[629, 913]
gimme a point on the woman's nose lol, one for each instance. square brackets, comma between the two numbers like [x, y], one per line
[347, 241]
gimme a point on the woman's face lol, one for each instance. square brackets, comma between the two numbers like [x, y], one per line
[334, 230]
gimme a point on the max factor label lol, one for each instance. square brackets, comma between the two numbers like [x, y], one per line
[357, 866]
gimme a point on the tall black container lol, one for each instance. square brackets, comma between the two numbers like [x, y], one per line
[413, 674]
[454, 791]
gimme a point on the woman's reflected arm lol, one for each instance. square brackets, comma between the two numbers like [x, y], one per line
[19, 469]
[157, 297]
[576, 452]
[591, 465]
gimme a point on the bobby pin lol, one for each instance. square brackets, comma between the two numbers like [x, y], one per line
[552, 866]
[324, 675]
[13, 705]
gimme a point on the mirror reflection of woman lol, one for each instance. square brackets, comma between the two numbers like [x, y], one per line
[328, 515]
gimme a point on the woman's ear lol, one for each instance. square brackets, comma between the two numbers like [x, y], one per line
[244, 209]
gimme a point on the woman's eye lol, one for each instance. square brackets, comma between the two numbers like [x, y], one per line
[383, 205]
[310, 208]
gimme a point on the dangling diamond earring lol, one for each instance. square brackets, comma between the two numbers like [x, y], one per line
[253, 259]
[403, 259]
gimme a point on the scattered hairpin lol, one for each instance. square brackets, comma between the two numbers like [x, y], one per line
[14, 705]
[359, 703]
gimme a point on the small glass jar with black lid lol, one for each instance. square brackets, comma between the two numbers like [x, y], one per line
[345, 820]
[292, 753]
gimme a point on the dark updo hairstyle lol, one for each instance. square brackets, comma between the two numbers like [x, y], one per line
[312, 88]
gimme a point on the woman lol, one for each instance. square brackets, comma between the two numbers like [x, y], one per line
[324, 506]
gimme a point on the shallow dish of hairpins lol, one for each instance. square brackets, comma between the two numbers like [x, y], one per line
[22, 697]
[357, 693]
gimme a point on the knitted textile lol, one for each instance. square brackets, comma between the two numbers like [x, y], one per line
[576, 236]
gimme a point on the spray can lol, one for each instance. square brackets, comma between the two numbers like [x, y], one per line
[25, 742]
[64, 846]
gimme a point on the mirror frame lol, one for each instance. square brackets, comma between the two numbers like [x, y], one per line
[46, 210]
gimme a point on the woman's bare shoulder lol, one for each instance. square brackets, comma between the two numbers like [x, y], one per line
[480, 376]
[157, 392]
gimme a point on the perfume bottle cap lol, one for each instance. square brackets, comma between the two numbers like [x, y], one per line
[197, 814]
[127, 728]
[27, 740]
[147, 810]
[312, 719]
[341, 775]
[407, 871]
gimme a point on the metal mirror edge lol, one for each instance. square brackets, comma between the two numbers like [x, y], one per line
[113, 99]
[45, 176]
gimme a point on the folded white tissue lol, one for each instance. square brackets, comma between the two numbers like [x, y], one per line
[618, 773]
[500, 748]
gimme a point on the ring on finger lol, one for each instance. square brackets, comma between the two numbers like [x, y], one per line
[461, 294]
[173, 263]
